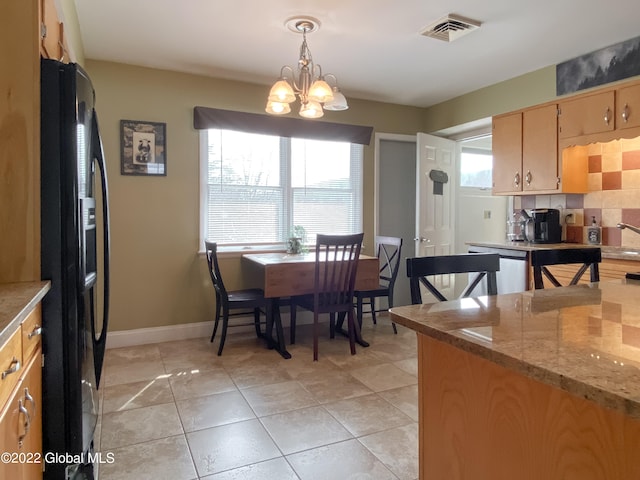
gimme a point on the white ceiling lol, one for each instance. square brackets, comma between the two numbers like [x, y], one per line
[374, 47]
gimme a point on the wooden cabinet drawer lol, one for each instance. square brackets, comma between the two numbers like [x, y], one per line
[31, 332]
[10, 365]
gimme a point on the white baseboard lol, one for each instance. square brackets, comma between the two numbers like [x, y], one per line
[143, 336]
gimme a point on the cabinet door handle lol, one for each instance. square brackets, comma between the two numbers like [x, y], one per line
[13, 368]
[27, 422]
[29, 398]
[606, 116]
[516, 179]
[35, 332]
[625, 113]
[528, 178]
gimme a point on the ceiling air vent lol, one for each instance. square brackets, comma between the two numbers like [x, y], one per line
[450, 28]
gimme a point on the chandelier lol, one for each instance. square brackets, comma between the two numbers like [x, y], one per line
[307, 81]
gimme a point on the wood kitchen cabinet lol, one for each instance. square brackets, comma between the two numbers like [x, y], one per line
[540, 149]
[525, 151]
[588, 114]
[609, 269]
[507, 153]
[530, 153]
[20, 142]
[628, 107]
[21, 401]
[49, 29]
[607, 114]
[21, 426]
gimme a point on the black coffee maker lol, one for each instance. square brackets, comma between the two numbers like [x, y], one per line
[543, 225]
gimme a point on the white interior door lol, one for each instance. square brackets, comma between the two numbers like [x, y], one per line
[435, 207]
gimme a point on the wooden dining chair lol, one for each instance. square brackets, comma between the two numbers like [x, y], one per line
[336, 266]
[482, 264]
[388, 251]
[588, 257]
[248, 302]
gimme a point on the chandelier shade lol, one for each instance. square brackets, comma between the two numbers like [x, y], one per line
[277, 108]
[320, 91]
[307, 82]
[282, 92]
[339, 102]
[311, 109]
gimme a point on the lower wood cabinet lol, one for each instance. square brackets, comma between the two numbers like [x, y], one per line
[21, 426]
[609, 269]
[21, 401]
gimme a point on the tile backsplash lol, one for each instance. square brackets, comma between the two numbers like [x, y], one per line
[614, 196]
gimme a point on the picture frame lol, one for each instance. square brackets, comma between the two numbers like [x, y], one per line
[143, 148]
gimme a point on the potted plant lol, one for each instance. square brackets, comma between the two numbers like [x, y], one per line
[295, 243]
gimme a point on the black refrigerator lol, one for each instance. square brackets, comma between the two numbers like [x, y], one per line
[74, 228]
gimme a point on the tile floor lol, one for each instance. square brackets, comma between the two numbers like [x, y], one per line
[177, 411]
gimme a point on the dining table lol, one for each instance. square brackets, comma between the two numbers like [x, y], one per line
[283, 275]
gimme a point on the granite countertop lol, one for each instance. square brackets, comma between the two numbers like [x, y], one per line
[17, 300]
[620, 253]
[583, 339]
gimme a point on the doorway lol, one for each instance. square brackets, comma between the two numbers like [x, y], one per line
[479, 216]
[395, 198]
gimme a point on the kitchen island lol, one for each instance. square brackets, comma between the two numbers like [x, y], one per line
[543, 384]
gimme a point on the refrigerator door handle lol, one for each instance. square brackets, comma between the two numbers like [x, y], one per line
[99, 340]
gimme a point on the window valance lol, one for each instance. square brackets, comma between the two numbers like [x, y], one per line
[205, 118]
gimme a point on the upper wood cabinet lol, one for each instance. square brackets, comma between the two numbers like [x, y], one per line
[525, 151]
[51, 31]
[587, 114]
[610, 113]
[20, 143]
[530, 146]
[507, 153]
[540, 149]
[628, 107]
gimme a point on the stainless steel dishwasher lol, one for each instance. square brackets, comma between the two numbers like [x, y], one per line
[512, 277]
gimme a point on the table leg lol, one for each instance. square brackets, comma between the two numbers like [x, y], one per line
[273, 318]
[359, 340]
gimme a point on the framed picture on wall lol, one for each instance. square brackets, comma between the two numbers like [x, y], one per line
[143, 148]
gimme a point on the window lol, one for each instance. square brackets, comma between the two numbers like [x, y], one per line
[256, 187]
[476, 162]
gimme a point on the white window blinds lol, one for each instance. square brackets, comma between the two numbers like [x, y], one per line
[258, 187]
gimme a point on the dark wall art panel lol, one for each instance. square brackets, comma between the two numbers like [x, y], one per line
[600, 67]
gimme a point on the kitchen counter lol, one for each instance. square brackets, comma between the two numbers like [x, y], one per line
[545, 382]
[620, 253]
[586, 339]
[17, 300]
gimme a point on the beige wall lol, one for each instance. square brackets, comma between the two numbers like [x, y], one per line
[158, 278]
[533, 88]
